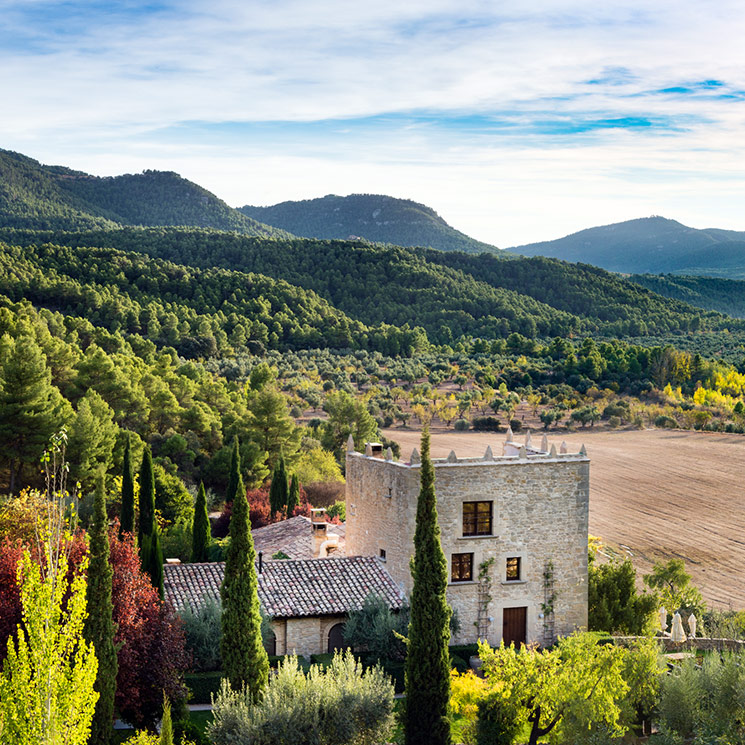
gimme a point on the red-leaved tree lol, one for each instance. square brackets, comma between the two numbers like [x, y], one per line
[149, 636]
[260, 512]
[10, 596]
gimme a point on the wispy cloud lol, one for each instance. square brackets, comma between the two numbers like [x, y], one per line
[473, 98]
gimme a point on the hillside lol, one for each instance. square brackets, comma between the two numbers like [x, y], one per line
[448, 294]
[650, 245]
[35, 196]
[199, 312]
[711, 293]
[374, 217]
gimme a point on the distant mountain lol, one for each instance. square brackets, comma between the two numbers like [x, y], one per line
[374, 217]
[650, 245]
[38, 197]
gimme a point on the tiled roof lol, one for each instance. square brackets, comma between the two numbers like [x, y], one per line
[292, 588]
[294, 537]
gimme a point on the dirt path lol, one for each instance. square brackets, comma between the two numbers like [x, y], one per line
[655, 493]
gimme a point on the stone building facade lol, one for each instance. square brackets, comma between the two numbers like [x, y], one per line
[307, 599]
[514, 533]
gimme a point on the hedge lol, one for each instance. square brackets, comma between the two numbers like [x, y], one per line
[203, 686]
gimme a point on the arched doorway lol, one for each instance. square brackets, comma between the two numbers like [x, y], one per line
[336, 638]
[270, 644]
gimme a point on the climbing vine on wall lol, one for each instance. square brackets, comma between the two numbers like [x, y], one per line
[484, 598]
[547, 606]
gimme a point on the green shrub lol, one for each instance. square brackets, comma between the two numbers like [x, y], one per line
[516, 425]
[203, 686]
[461, 425]
[203, 630]
[396, 671]
[373, 629]
[338, 509]
[339, 706]
[485, 424]
[497, 722]
[705, 700]
[665, 422]
[322, 660]
[185, 731]
[275, 660]
[464, 651]
[459, 663]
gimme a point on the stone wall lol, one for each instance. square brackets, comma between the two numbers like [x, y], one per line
[699, 643]
[540, 513]
[304, 636]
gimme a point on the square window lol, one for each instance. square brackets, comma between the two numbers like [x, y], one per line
[513, 569]
[461, 568]
[382, 554]
[477, 518]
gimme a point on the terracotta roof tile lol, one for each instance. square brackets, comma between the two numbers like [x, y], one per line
[292, 588]
[294, 537]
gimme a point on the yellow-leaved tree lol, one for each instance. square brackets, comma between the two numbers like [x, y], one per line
[46, 686]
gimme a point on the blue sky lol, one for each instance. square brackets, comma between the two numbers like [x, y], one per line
[516, 124]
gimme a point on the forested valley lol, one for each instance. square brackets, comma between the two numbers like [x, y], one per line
[122, 328]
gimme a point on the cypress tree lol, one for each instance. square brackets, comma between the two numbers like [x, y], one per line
[147, 497]
[427, 660]
[155, 562]
[200, 534]
[99, 625]
[127, 517]
[166, 723]
[151, 557]
[293, 499]
[244, 658]
[279, 493]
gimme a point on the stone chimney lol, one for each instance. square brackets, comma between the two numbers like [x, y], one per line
[318, 526]
[374, 449]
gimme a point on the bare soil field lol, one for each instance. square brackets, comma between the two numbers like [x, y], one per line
[654, 494]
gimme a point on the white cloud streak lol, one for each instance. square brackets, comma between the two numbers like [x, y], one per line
[91, 85]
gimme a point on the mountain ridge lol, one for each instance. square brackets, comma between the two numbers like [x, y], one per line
[40, 197]
[649, 245]
[374, 217]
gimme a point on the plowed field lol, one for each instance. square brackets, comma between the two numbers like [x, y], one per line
[654, 494]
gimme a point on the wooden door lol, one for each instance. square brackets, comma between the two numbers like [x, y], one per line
[514, 625]
[336, 638]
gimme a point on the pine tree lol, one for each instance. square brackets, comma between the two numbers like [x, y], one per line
[31, 408]
[244, 658]
[151, 557]
[278, 492]
[427, 660]
[293, 499]
[99, 625]
[235, 471]
[200, 535]
[127, 517]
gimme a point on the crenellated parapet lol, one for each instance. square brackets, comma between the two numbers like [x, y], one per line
[513, 452]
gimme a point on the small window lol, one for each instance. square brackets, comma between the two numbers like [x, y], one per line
[477, 518]
[382, 554]
[513, 569]
[461, 568]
